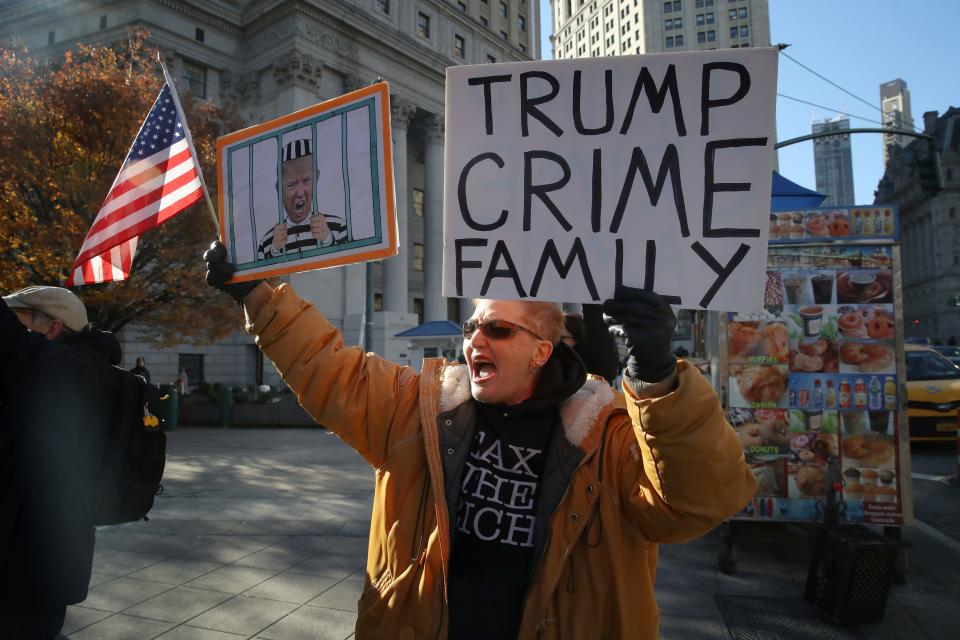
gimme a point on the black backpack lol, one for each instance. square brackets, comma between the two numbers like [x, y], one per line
[134, 455]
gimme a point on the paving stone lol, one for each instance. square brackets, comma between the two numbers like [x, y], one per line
[124, 562]
[121, 593]
[185, 632]
[122, 627]
[224, 552]
[243, 614]
[291, 587]
[312, 623]
[332, 565]
[232, 579]
[79, 617]
[178, 605]
[176, 571]
[343, 596]
[277, 557]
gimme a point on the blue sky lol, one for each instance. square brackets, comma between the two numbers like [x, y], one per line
[858, 44]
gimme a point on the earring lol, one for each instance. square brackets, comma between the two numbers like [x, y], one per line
[534, 365]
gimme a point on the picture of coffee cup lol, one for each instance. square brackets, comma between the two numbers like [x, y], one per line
[862, 281]
[812, 321]
[879, 420]
[795, 287]
[822, 288]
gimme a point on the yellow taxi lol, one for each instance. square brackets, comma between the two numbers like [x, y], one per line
[933, 394]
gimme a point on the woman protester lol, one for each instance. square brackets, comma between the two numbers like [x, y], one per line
[514, 498]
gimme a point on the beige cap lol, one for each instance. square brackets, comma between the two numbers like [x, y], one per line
[57, 302]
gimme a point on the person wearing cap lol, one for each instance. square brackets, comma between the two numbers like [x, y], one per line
[303, 229]
[56, 400]
[514, 496]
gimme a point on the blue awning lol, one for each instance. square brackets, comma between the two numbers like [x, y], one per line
[433, 329]
[788, 196]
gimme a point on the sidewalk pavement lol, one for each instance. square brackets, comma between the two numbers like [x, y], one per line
[262, 533]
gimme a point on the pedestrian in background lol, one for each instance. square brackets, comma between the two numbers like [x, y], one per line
[514, 497]
[141, 369]
[56, 398]
[181, 382]
[588, 336]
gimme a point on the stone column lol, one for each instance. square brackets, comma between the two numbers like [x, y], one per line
[395, 283]
[434, 304]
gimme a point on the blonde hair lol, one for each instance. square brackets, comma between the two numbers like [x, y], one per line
[546, 318]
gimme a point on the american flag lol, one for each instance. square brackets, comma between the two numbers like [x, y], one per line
[159, 179]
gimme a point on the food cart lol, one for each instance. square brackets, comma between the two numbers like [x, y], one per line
[813, 383]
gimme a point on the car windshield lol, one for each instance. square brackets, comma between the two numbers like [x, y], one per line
[950, 352]
[929, 365]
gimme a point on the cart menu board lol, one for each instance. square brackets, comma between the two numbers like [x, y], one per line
[812, 377]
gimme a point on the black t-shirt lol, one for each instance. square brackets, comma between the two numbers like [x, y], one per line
[496, 513]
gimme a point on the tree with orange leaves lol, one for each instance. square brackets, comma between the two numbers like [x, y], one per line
[66, 126]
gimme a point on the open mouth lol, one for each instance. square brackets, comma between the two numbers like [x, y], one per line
[482, 370]
[300, 205]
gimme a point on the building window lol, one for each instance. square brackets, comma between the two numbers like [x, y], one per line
[678, 23]
[523, 47]
[743, 13]
[733, 32]
[744, 31]
[668, 25]
[667, 7]
[462, 6]
[491, 59]
[418, 202]
[676, 5]
[378, 302]
[669, 42]
[679, 41]
[701, 37]
[423, 25]
[192, 363]
[503, 9]
[711, 36]
[522, 23]
[701, 20]
[103, 22]
[51, 37]
[699, 4]
[194, 76]
[733, 14]
[199, 35]
[483, 21]
[503, 34]
[458, 46]
[710, 19]
[418, 309]
[418, 256]
[384, 6]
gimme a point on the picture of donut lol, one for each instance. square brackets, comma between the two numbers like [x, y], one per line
[867, 450]
[851, 325]
[880, 325]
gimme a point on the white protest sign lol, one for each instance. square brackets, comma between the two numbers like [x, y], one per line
[311, 189]
[566, 179]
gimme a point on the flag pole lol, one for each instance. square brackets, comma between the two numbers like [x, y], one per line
[186, 131]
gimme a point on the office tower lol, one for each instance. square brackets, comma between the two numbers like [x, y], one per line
[591, 28]
[833, 162]
[895, 103]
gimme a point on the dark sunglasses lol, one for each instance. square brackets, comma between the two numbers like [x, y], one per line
[495, 329]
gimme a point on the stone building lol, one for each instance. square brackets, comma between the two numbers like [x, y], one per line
[273, 57]
[929, 230]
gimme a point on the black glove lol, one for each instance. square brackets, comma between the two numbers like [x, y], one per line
[647, 323]
[219, 271]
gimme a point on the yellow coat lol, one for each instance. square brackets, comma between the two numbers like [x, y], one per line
[626, 478]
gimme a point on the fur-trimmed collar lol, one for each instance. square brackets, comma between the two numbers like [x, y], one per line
[578, 413]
